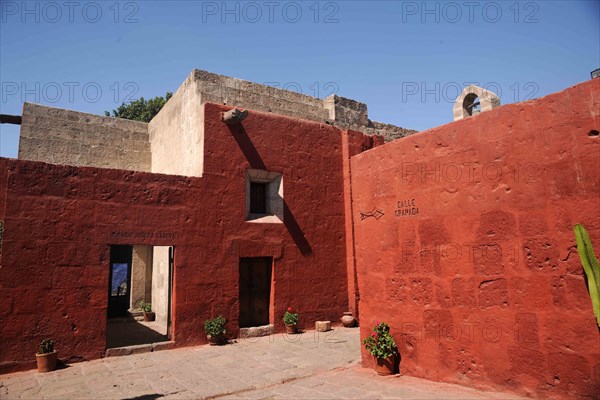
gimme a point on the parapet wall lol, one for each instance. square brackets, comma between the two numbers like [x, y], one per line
[464, 245]
[59, 136]
[221, 89]
[339, 111]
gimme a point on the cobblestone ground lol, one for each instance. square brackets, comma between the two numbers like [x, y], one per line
[308, 366]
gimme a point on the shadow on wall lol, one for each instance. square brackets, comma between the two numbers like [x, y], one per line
[295, 231]
[256, 162]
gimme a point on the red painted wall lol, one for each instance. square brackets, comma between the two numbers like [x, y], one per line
[353, 143]
[60, 221]
[480, 279]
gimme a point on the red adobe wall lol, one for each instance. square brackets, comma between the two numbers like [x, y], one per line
[353, 143]
[58, 226]
[60, 221]
[474, 263]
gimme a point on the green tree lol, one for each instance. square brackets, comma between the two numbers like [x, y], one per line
[141, 109]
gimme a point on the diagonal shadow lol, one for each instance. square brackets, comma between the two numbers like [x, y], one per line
[294, 229]
[256, 162]
[243, 140]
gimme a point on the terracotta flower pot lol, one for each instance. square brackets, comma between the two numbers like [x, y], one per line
[149, 316]
[348, 320]
[291, 329]
[215, 340]
[47, 362]
[385, 366]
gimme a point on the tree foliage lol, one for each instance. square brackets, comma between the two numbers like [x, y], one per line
[141, 109]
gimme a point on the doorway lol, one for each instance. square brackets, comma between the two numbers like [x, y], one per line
[255, 291]
[119, 289]
[139, 274]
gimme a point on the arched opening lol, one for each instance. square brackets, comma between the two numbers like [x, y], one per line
[474, 100]
[471, 104]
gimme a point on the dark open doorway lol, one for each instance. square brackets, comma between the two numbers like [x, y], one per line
[119, 288]
[139, 274]
[255, 291]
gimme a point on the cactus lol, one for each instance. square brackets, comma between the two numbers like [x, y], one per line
[46, 346]
[590, 266]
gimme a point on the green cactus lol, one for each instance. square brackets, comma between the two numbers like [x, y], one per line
[590, 266]
[46, 346]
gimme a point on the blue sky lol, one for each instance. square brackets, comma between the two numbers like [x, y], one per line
[406, 59]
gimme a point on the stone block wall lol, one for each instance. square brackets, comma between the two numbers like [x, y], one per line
[245, 94]
[387, 131]
[473, 262]
[339, 111]
[68, 137]
[346, 112]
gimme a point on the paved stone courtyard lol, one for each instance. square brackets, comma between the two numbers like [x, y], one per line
[312, 365]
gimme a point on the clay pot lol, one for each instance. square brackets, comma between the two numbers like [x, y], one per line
[385, 366]
[216, 340]
[291, 329]
[149, 316]
[47, 362]
[348, 320]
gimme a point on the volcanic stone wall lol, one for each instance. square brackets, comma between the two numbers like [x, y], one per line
[464, 245]
[340, 111]
[59, 136]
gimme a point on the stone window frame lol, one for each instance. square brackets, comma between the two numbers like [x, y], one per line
[463, 105]
[274, 196]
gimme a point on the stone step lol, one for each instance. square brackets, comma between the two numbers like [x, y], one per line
[137, 315]
[140, 348]
[256, 331]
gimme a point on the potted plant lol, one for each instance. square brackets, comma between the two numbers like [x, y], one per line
[215, 330]
[382, 346]
[290, 320]
[149, 315]
[46, 356]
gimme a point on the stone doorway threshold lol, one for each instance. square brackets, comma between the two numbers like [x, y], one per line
[139, 348]
[256, 331]
[122, 332]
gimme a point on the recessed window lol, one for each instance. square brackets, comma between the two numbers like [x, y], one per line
[258, 198]
[264, 196]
